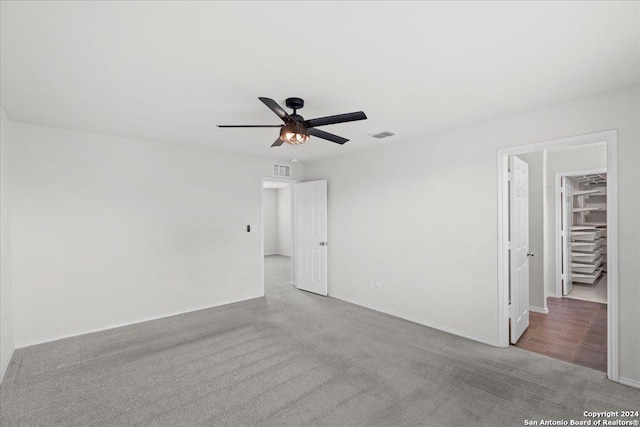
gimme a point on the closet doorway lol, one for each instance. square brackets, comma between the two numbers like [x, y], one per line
[277, 235]
[581, 235]
[561, 299]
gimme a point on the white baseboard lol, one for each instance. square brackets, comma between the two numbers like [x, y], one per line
[119, 325]
[420, 321]
[3, 369]
[539, 309]
[629, 382]
[552, 294]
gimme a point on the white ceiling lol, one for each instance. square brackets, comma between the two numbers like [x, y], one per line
[171, 71]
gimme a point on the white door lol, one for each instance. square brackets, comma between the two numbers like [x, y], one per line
[311, 236]
[566, 207]
[519, 223]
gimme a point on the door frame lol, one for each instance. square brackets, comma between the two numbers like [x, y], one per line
[502, 163]
[558, 216]
[291, 183]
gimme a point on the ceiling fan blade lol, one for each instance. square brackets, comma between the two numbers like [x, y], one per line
[273, 106]
[339, 118]
[328, 136]
[278, 143]
[249, 126]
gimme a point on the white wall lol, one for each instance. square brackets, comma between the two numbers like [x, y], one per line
[277, 221]
[421, 218]
[592, 156]
[535, 161]
[6, 300]
[270, 219]
[284, 221]
[104, 229]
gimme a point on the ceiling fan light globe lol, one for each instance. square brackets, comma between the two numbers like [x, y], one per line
[290, 136]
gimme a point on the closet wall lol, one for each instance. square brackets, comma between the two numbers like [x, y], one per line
[270, 220]
[284, 221]
[276, 211]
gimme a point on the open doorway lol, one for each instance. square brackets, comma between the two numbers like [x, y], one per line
[277, 235]
[294, 235]
[581, 235]
[566, 222]
[557, 251]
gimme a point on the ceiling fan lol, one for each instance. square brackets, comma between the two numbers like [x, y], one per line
[296, 130]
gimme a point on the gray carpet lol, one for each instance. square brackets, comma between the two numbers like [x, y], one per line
[293, 359]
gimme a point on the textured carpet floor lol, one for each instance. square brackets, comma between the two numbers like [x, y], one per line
[293, 359]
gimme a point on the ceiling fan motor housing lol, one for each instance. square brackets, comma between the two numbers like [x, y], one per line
[295, 103]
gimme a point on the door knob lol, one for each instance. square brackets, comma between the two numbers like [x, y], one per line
[529, 253]
[323, 243]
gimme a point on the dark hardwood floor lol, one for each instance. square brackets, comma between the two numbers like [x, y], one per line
[574, 331]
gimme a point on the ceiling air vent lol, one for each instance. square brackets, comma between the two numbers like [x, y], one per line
[384, 134]
[281, 171]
